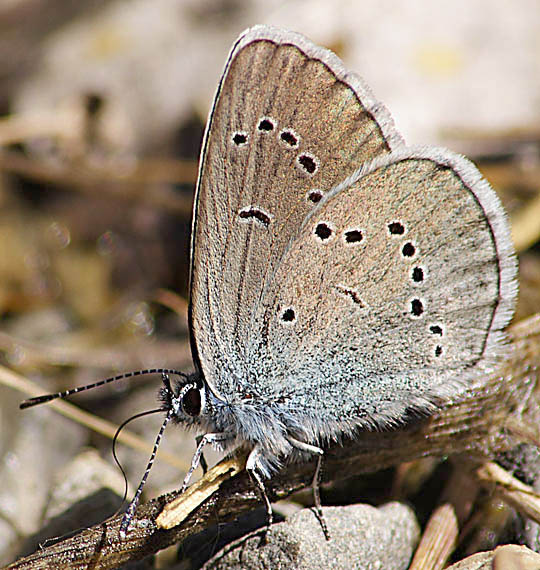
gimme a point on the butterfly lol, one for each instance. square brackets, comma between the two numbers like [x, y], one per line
[340, 280]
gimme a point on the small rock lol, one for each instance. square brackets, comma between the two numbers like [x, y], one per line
[86, 474]
[362, 536]
[35, 443]
[86, 491]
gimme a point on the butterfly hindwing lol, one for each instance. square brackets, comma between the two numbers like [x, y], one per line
[370, 311]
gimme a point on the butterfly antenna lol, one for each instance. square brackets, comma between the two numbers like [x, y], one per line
[115, 441]
[130, 511]
[48, 397]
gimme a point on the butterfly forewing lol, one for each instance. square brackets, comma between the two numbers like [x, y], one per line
[288, 123]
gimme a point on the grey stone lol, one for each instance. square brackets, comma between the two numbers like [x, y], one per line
[83, 476]
[362, 536]
[85, 492]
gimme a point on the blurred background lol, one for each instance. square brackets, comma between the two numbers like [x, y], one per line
[102, 109]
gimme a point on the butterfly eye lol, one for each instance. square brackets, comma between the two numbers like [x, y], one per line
[191, 402]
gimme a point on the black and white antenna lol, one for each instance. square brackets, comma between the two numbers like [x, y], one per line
[170, 409]
[48, 397]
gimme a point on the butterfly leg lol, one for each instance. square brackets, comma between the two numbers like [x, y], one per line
[204, 440]
[204, 464]
[302, 446]
[251, 468]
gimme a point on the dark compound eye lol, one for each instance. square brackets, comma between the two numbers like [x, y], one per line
[191, 402]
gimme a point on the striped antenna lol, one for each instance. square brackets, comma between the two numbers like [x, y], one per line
[130, 511]
[48, 397]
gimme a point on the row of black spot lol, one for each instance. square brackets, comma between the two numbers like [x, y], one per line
[306, 162]
[323, 231]
[408, 251]
[417, 275]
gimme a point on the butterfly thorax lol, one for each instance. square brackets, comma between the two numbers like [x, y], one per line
[246, 421]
